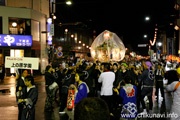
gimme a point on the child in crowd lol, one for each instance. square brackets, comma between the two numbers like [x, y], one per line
[128, 93]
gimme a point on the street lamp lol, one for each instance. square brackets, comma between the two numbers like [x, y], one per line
[145, 36]
[159, 44]
[68, 3]
[147, 18]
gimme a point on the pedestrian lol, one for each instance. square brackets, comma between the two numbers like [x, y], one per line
[89, 79]
[159, 81]
[49, 80]
[116, 99]
[82, 90]
[28, 112]
[147, 82]
[91, 109]
[128, 93]
[173, 86]
[107, 79]
[124, 71]
[2, 72]
[68, 80]
[21, 90]
[118, 76]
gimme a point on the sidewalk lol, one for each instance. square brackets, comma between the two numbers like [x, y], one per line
[8, 105]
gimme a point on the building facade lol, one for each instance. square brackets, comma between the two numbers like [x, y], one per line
[21, 19]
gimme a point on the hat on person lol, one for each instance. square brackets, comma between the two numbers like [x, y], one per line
[124, 64]
[178, 70]
[148, 64]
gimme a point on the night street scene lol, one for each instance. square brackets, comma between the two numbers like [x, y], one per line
[89, 59]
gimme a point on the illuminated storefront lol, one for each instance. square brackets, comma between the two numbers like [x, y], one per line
[22, 34]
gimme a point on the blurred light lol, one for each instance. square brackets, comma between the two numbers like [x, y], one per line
[14, 24]
[159, 43]
[126, 49]
[171, 23]
[72, 35]
[106, 35]
[87, 46]
[145, 36]
[176, 27]
[66, 30]
[75, 38]
[54, 17]
[147, 18]
[79, 47]
[79, 41]
[68, 2]
[49, 20]
[83, 44]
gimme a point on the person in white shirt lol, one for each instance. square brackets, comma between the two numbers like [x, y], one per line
[107, 78]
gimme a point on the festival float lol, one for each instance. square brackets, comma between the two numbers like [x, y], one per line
[108, 47]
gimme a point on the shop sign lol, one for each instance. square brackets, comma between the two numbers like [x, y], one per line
[22, 62]
[49, 37]
[15, 40]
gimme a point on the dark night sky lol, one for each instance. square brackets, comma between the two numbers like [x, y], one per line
[124, 17]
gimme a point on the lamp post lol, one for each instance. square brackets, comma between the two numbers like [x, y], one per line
[52, 15]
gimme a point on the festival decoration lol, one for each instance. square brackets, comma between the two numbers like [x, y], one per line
[108, 47]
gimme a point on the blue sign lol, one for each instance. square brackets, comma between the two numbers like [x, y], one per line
[159, 51]
[60, 54]
[49, 38]
[15, 40]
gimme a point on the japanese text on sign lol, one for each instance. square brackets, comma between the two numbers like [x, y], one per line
[22, 63]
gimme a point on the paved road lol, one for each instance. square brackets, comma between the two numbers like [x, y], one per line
[9, 109]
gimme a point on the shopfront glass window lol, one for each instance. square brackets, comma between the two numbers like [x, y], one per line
[19, 26]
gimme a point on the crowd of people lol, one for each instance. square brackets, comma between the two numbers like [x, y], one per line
[125, 84]
[107, 86]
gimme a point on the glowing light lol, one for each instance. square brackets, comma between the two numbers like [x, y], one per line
[54, 17]
[79, 41]
[49, 20]
[75, 38]
[83, 44]
[72, 35]
[147, 18]
[106, 35]
[66, 30]
[87, 46]
[159, 43]
[145, 36]
[14, 24]
[176, 27]
[68, 2]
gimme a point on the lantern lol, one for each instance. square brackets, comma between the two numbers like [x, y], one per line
[108, 47]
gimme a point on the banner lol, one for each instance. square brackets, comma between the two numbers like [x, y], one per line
[22, 62]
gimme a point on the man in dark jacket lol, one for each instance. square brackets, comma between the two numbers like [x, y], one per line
[159, 81]
[21, 90]
[88, 70]
[49, 79]
[147, 80]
